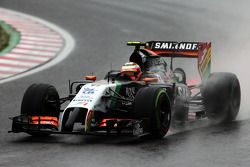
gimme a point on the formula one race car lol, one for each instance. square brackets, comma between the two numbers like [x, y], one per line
[143, 98]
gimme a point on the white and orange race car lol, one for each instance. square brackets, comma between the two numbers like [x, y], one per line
[146, 106]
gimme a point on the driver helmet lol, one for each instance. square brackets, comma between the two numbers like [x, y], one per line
[132, 70]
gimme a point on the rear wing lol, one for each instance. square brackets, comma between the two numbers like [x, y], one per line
[199, 50]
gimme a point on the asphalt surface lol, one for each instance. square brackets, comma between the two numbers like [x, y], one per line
[101, 29]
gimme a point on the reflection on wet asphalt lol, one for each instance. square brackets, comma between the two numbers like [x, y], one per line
[211, 145]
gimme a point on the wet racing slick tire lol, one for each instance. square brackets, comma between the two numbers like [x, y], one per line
[40, 100]
[222, 97]
[154, 103]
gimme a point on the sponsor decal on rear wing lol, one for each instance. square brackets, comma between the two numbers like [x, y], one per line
[160, 45]
[199, 50]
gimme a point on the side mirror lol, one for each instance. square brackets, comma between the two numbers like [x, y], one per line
[90, 78]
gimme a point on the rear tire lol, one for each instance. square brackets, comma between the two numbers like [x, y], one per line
[154, 103]
[40, 100]
[222, 96]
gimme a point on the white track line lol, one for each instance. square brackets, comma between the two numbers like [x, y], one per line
[24, 57]
[12, 69]
[32, 52]
[41, 43]
[41, 39]
[40, 35]
[37, 47]
[5, 75]
[18, 63]
[37, 28]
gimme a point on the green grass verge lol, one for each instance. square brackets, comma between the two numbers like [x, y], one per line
[9, 38]
[4, 38]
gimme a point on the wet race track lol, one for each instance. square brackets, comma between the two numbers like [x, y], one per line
[101, 29]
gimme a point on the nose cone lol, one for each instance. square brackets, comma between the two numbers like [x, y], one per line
[89, 96]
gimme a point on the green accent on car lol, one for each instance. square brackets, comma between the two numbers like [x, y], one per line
[207, 72]
[117, 90]
[157, 97]
[205, 66]
[14, 37]
[157, 115]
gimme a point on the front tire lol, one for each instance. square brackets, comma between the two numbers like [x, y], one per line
[40, 100]
[154, 103]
